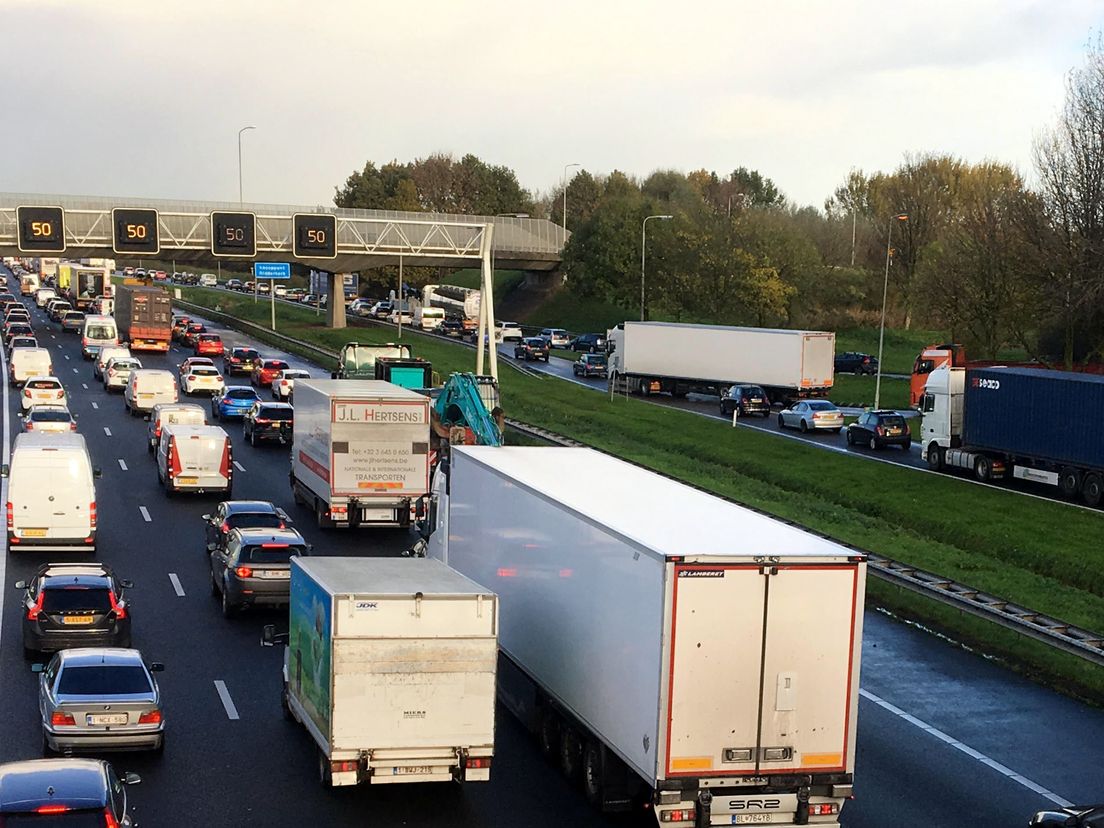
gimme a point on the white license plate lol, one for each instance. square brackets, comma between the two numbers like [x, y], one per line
[278, 574]
[405, 770]
[377, 514]
[752, 819]
[107, 719]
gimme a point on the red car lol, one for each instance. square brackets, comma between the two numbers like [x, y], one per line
[191, 332]
[266, 370]
[208, 345]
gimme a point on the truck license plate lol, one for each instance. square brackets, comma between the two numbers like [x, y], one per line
[187, 481]
[107, 719]
[33, 533]
[377, 514]
[404, 770]
[278, 574]
[752, 819]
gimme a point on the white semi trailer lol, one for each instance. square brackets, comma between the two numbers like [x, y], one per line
[670, 650]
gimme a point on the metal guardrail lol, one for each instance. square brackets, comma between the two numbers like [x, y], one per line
[1036, 625]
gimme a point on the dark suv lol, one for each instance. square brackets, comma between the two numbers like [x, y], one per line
[64, 793]
[878, 429]
[239, 361]
[592, 343]
[268, 421]
[533, 347]
[590, 365]
[856, 362]
[254, 568]
[74, 605]
[747, 399]
[242, 514]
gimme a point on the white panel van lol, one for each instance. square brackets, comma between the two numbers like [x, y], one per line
[51, 494]
[146, 388]
[195, 458]
[28, 362]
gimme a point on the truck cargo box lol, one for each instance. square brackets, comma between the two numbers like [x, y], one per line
[1051, 415]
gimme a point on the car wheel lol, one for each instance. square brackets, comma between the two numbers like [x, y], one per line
[873, 443]
[229, 610]
[285, 705]
[850, 439]
[214, 586]
[935, 457]
[804, 426]
[781, 422]
[159, 750]
[836, 430]
[859, 371]
[253, 438]
[907, 445]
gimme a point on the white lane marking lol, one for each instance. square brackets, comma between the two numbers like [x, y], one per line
[239, 466]
[95, 404]
[145, 514]
[177, 588]
[84, 385]
[227, 702]
[52, 336]
[107, 431]
[969, 751]
[122, 464]
[67, 356]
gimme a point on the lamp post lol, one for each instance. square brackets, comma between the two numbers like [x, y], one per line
[240, 131]
[643, 249]
[566, 168]
[885, 292]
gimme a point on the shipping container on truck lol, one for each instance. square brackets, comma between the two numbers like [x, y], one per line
[461, 302]
[357, 360]
[665, 646]
[143, 314]
[1022, 423]
[83, 284]
[360, 455]
[48, 266]
[678, 359]
[390, 666]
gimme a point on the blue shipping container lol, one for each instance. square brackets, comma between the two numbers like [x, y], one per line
[1049, 415]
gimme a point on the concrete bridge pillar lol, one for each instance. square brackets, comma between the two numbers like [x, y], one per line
[335, 304]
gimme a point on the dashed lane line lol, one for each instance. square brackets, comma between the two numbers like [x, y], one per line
[227, 702]
[145, 514]
[177, 588]
[107, 431]
[239, 466]
[122, 464]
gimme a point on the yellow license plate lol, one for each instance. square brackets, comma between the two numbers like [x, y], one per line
[77, 619]
[187, 481]
[33, 533]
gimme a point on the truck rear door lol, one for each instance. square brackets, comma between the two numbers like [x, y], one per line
[818, 360]
[761, 669]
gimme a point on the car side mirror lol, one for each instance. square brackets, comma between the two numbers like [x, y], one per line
[131, 778]
[157, 667]
[126, 583]
[5, 470]
[207, 518]
[20, 584]
[37, 667]
[97, 472]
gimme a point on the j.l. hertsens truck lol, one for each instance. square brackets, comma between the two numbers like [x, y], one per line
[706, 667]
[1027, 424]
[678, 359]
[360, 455]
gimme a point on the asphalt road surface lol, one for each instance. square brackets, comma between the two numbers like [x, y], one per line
[945, 737]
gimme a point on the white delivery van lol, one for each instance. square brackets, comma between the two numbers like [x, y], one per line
[28, 362]
[429, 319]
[51, 494]
[28, 284]
[195, 458]
[148, 387]
[98, 331]
[172, 414]
[44, 295]
[106, 354]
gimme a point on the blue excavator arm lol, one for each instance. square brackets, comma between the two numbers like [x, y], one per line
[467, 400]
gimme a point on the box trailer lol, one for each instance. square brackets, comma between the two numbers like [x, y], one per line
[669, 648]
[360, 456]
[358, 360]
[1026, 423]
[678, 359]
[83, 284]
[143, 314]
[390, 666]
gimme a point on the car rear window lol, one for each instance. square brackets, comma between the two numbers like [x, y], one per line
[275, 363]
[270, 554]
[68, 819]
[275, 413]
[893, 420]
[42, 384]
[74, 315]
[209, 338]
[70, 598]
[103, 679]
[821, 406]
[242, 394]
[596, 359]
[205, 371]
[255, 520]
[50, 416]
[246, 353]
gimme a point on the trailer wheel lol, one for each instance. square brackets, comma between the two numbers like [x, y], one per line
[325, 772]
[645, 387]
[571, 753]
[1092, 490]
[983, 469]
[1069, 482]
[548, 734]
[935, 457]
[594, 770]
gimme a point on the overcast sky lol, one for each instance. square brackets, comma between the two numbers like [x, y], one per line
[145, 97]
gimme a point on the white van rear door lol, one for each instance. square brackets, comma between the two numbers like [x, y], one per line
[51, 494]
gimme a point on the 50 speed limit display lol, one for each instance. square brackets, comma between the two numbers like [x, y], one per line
[41, 229]
[234, 234]
[134, 230]
[315, 236]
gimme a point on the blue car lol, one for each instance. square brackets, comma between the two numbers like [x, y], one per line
[234, 402]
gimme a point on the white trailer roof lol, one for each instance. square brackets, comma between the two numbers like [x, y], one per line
[658, 514]
[348, 389]
[786, 331]
[388, 576]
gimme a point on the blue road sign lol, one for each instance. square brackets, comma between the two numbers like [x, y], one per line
[271, 270]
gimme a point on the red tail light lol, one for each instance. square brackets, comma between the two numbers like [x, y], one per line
[243, 572]
[11, 516]
[52, 809]
[36, 610]
[152, 717]
[157, 430]
[224, 467]
[117, 606]
[30, 426]
[92, 514]
[109, 819]
[59, 718]
[225, 528]
[27, 393]
[174, 458]
[881, 431]
[478, 762]
[60, 393]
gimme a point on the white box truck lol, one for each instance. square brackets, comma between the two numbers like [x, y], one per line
[668, 648]
[390, 666]
[678, 359]
[360, 455]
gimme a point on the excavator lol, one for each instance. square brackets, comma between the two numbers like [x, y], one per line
[467, 411]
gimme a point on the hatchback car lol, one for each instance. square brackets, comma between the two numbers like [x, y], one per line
[191, 333]
[233, 284]
[508, 332]
[856, 362]
[234, 402]
[451, 327]
[179, 326]
[72, 322]
[117, 372]
[272, 421]
[64, 793]
[74, 605]
[191, 362]
[14, 329]
[56, 308]
[533, 347]
[100, 698]
[241, 514]
[592, 343]
[47, 419]
[877, 429]
[38, 390]
[253, 568]
[283, 387]
[590, 365]
[812, 415]
[746, 400]
[239, 361]
[22, 341]
[202, 379]
[266, 370]
[208, 345]
[556, 337]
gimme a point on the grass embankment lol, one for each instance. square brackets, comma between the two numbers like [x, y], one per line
[1037, 553]
[901, 347]
[505, 281]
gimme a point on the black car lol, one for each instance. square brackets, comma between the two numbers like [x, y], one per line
[64, 793]
[74, 605]
[856, 362]
[590, 365]
[239, 361]
[878, 429]
[452, 327]
[253, 568]
[747, 399]
[1073, 816]
[242, 514]
[532, 347]
[268, 421]
[592, 343]
[233, 284]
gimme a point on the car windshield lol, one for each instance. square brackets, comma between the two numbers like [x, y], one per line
[255, 520]
[103, 680]
[59, 416]
[242, 394]
[270, 554]
[68, 819]
[893, 420]
[70, 598]
[821, 406]
[274, 413]
[99, 332]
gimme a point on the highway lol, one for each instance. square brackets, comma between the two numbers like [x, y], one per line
[946, 737]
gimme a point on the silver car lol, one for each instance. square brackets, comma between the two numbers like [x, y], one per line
[812, 415]
[283, 386]
[117, 372]
[99, 698]
[49, 419]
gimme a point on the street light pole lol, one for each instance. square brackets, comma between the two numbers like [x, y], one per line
[566, 168]
[885, 292]
[643, 249]
[241, 198]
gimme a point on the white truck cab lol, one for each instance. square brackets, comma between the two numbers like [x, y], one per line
[941, 409]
